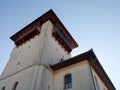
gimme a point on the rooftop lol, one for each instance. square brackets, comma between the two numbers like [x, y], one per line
[93, 61]
[30, 30]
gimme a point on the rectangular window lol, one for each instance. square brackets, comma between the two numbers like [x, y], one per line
[63, 37]
[15, 85]
[68, 81]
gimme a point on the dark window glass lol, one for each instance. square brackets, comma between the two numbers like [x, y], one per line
[15, 85]
[68, 81]
[63, 37]
[3, 88]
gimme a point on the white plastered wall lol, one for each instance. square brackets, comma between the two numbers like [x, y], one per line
[44, 80]
[53, 51]
[26, 79]
[40, 49]
[98, 81]
[28, 62]
[81, 78]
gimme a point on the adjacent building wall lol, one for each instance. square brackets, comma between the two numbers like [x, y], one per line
[81, 78]
[98, 82]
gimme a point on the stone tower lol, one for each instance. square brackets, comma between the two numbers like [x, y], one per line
[42, 43]
[41, 60]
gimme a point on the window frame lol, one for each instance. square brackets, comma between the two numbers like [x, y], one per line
[15, 85]
[68, 81]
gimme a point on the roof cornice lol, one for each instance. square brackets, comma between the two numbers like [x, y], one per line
[93, 61]
[50, 15]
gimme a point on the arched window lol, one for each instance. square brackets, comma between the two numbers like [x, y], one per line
[68, 81]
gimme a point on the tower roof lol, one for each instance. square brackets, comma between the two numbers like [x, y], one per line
[30, 30]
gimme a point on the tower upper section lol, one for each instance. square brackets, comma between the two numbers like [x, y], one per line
[59, 32]
[45, 41]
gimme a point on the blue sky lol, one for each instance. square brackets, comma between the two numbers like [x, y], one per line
[93, 24]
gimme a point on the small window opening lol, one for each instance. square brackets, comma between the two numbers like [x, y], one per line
[3, 88]
[15, 85]
[18, 63]
[68, 81]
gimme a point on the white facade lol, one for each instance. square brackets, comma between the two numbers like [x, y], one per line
[98, 82]
[29, 66]
[81, 78]
[42, 50]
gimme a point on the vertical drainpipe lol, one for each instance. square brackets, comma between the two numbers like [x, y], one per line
[92, 77]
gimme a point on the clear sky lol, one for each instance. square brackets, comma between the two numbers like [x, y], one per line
[93, 24]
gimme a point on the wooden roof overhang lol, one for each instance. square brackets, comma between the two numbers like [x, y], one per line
[18, 38]
[93, 61]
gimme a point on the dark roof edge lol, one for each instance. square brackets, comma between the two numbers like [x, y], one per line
[102, 69]
[73, 60]
[94, 62]
[49, 15]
